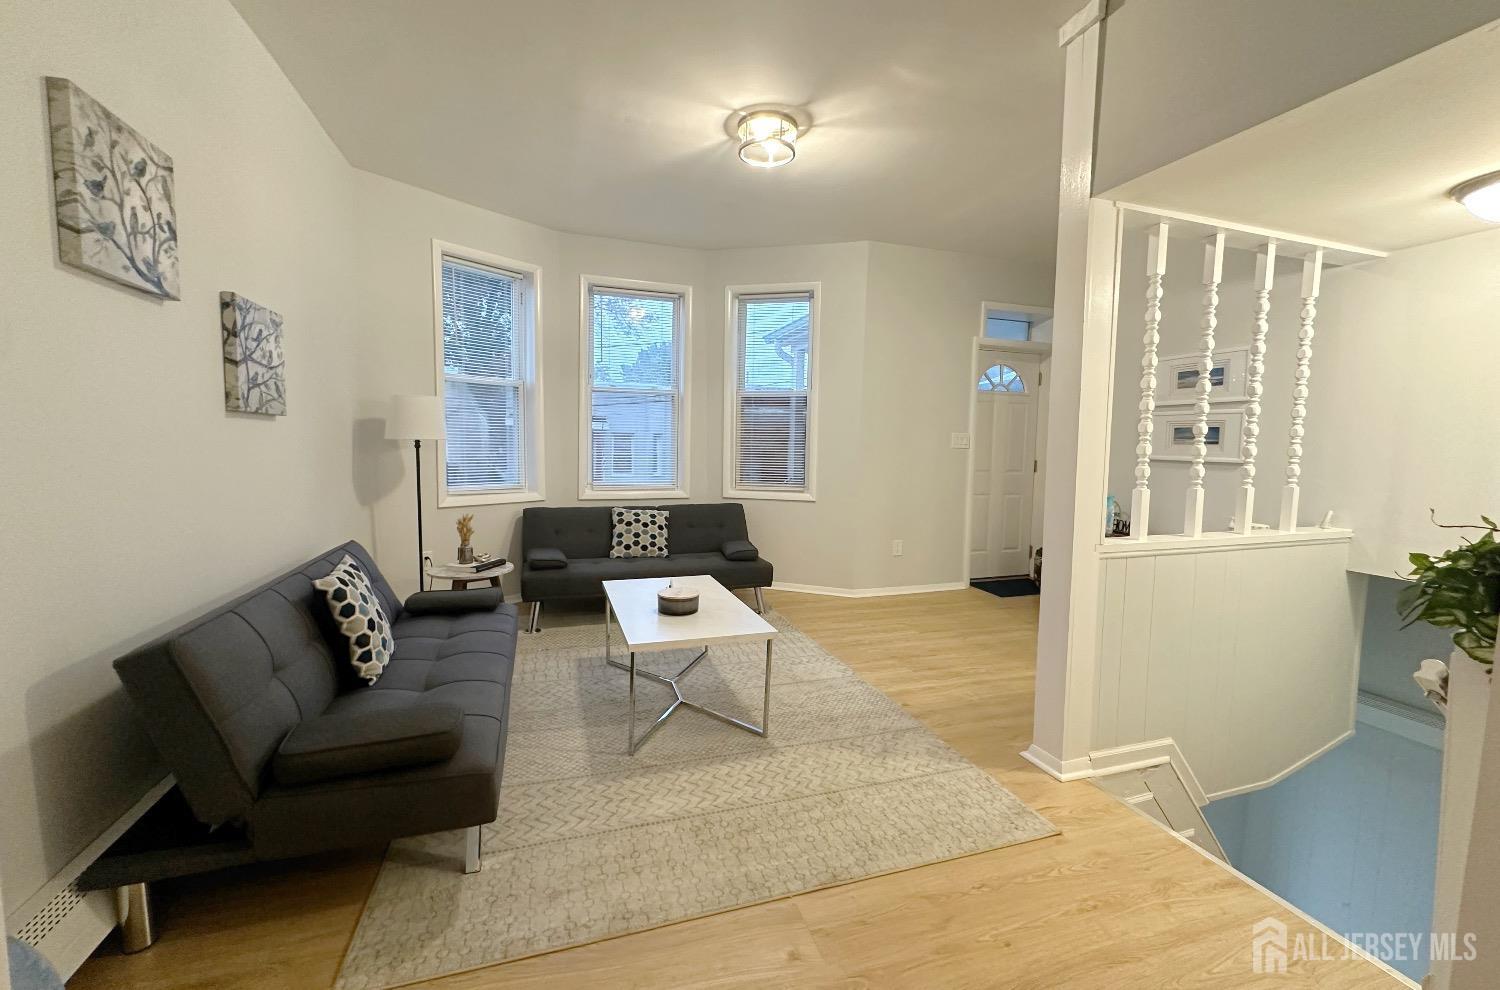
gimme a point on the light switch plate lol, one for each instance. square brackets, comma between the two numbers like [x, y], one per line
[958, 441]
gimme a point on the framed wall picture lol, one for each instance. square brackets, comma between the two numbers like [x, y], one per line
[254, 361]
[116, 213]
[1177, 377]
[1172, 436]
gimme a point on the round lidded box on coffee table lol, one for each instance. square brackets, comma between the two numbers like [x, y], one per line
[673, 600]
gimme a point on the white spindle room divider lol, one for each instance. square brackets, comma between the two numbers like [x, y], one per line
[1312, 276]
[1187, 667]
[1265, 275]
[1269, 246]
[1156, 270]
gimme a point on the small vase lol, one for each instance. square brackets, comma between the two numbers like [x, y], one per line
[465, 554]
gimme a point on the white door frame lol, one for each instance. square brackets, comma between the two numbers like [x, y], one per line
[1030, 348]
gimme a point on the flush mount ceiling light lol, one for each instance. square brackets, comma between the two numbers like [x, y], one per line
[767, 135]
[1480, 196]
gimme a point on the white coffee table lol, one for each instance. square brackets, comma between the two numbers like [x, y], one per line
[721, 618]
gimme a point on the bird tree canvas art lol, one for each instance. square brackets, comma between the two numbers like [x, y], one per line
[254, 363]
[115, 210]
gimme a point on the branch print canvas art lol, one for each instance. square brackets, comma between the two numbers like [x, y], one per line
[115, 212]
[254, 364]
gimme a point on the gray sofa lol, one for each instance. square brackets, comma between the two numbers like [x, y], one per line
[254, 709]
[565, 551]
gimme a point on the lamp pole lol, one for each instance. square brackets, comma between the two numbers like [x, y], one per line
[416, 418]
[421, 560]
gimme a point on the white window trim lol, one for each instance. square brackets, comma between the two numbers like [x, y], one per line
[532, 442]
[586, 491]
[732, 294]
[1036, 314]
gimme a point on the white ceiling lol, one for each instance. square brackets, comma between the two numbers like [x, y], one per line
[935, 123]
[1369, 164]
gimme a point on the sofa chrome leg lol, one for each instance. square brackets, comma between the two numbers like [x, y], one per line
[137, 926]
[760, 602]
[536, 617]
[471, 848]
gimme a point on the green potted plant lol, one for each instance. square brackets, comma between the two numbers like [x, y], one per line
[1459, 590]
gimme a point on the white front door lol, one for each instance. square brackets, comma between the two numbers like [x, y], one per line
[1004, 463]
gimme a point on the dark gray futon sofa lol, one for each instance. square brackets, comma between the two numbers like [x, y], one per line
[565, 551]
[255, 709]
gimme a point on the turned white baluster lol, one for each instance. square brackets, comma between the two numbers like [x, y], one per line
[1312, 277]
[1213, 273]
[1265, 275]
[1156, 269]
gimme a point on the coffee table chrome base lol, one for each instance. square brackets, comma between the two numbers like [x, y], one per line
[680, 701]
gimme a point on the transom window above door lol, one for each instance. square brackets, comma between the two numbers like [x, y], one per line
[1000, 377]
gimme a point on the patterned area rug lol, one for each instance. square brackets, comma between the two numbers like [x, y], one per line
[592, 843]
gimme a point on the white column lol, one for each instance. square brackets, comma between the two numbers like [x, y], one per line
[1312, 277]
[1213, 273]
[1265, 275]
[1156, 268]
[1088, 231]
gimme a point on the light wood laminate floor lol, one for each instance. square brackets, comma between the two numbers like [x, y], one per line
[1113, 902]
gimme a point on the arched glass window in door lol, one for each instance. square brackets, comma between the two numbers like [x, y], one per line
[1001, 378]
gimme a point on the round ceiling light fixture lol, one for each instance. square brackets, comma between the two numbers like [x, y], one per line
[1480, 196]
[767, 135]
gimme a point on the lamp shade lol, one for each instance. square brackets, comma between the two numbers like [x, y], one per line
[415, 417]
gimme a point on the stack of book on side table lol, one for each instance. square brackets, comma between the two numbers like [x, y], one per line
[480, 564]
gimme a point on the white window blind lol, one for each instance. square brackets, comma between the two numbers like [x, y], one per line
[773, 381]
[635, 389]
[483, 378]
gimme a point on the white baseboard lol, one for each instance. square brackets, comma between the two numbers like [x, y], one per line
[65, 924]
[907, 589]
[1139, 756]
[77, 923]
[1076, 769]
[1283, 775]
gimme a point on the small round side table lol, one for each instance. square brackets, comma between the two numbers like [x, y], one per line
[462, 577]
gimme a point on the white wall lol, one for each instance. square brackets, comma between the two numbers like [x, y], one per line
[811, 543]
[1404, 404]
[1246, 657]
[1181, 74]
[922, 318]
[131, 499]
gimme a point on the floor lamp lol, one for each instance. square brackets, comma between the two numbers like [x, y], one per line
[416, 418]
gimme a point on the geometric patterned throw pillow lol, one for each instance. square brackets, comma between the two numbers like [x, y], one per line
[356, 609]
[639, 533]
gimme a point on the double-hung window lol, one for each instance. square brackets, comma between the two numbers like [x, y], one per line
[635, 354]
[772, 354]
[487, 376]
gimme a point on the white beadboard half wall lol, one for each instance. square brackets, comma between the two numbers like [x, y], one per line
[1241, 651]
